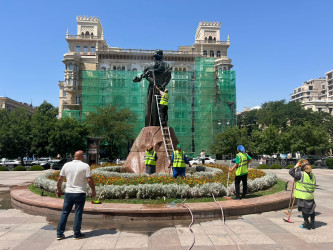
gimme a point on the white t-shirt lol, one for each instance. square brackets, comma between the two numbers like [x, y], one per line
[76, 173]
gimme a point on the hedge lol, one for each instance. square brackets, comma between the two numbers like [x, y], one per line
[263, 166]
[276, 166]
[36, 168]
[329, 163]
[289, 166]
[3, 168]
[19, 168]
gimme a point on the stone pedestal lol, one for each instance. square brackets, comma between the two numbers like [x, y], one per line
[135, 162]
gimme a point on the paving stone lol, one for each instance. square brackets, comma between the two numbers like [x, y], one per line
[132, 242]
[100, 243]
[167, 240]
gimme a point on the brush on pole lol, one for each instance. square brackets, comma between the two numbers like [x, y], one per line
[98, 201]
[291, 196]
[291, 209]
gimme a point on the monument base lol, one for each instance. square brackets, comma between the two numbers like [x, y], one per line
[135, 162]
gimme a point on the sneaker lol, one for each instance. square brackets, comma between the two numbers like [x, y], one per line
[312, 225]
[61, 237]
[79, 236]
[306, 226]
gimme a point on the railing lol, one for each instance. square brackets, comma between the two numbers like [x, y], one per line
[144, 51]
[211, 42]
[83, 36]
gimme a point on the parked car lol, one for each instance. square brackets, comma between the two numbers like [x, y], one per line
[321, 162]
[44, 162]
[58, 164]
[208, 160]
[10, 163]
[312, 158]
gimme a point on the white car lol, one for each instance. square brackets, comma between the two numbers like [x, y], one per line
[10, 163]
[208, 160]
[44, 162]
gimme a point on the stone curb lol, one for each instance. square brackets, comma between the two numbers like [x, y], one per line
[26, 200]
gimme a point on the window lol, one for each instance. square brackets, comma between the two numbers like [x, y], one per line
[92, 49]
[85, 49]
[76, 68]
[123, 68]
[64, 94]
[319, 109]
[218, 53]
[210, 39]
[211, 53]
[310, 87]
[75, 83]
[70, 66]
[205, 52]
[135, 69]
[330, 110]
[78, 100]
[77, 49]
[70, 82]
[87, 33]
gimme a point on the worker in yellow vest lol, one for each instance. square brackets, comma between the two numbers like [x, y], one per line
[178, 162]
[163, 105]
[305, 185]
[241, 166]
[150, 160]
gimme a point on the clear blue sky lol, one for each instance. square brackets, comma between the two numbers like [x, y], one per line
[275, 45]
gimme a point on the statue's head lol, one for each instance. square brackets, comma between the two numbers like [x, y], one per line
[158, 55]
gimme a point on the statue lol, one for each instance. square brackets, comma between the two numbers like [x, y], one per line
[160, 74]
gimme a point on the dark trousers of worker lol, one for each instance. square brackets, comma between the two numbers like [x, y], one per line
[238, 179]
[71, 199]
[164, 114]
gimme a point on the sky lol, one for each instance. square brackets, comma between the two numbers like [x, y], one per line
[275, 45]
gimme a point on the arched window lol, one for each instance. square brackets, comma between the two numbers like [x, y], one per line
[211, 53]
[210, 39]
[114, 68]
[92, 49]
[70, 66]
[82, 34]
[205, 52]
[123, 68]
[205, 39]
[184, 69]
[118, 68]
[87, 33]
[77, 48]
[214, 39]
[85, 49]
[92, 35]
[218, 53]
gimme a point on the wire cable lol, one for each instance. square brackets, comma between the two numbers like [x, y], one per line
[223, 220]
[190, 247]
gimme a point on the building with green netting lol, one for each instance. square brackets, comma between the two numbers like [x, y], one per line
[202, 90]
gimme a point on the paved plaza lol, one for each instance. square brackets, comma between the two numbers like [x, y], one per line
[19, 230]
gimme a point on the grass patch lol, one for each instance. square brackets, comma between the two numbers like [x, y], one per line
[279, 186]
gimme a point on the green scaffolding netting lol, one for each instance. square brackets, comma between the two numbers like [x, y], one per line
[201, 103]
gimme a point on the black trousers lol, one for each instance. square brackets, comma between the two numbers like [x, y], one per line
[164, 113]
[238, 179]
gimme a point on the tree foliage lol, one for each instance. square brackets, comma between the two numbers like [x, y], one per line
[115, 126]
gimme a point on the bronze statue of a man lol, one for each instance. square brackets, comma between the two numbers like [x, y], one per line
[160, 74]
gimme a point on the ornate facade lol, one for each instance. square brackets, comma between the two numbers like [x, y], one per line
[88, 50]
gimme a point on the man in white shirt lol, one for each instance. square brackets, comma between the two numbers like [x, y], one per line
[77, 175]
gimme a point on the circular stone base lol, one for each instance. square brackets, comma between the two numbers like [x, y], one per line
[26, 200]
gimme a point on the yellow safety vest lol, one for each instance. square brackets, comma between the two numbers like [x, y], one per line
[305, 187]
[150, 158]
[178, 159]
[242, 165]
[164, 99]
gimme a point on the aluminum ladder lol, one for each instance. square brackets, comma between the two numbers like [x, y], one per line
[165, 132]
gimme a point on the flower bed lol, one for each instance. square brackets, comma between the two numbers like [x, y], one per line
[116, 185]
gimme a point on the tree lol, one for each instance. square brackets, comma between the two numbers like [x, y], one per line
[227, 142]
[67, 136]
[15, 133]
[43, 122]
[267, 141]
[115, 126]
[308, 139]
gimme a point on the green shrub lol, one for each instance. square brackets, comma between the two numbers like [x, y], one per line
[276, 166]
[329, 163]
[263, 166]
[19, 168]
[3, 168]
[289, 166]
[36, 168]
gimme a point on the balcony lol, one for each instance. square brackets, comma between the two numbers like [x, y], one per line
[211, 42]
[88, 37]
[70, 88]
[144, 51]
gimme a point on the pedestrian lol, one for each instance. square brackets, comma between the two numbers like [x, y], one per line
[241, 166]
[202, 156]
[163, 105]
[305, 185]
[150, 160]
[178, 162]
[77, 175]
